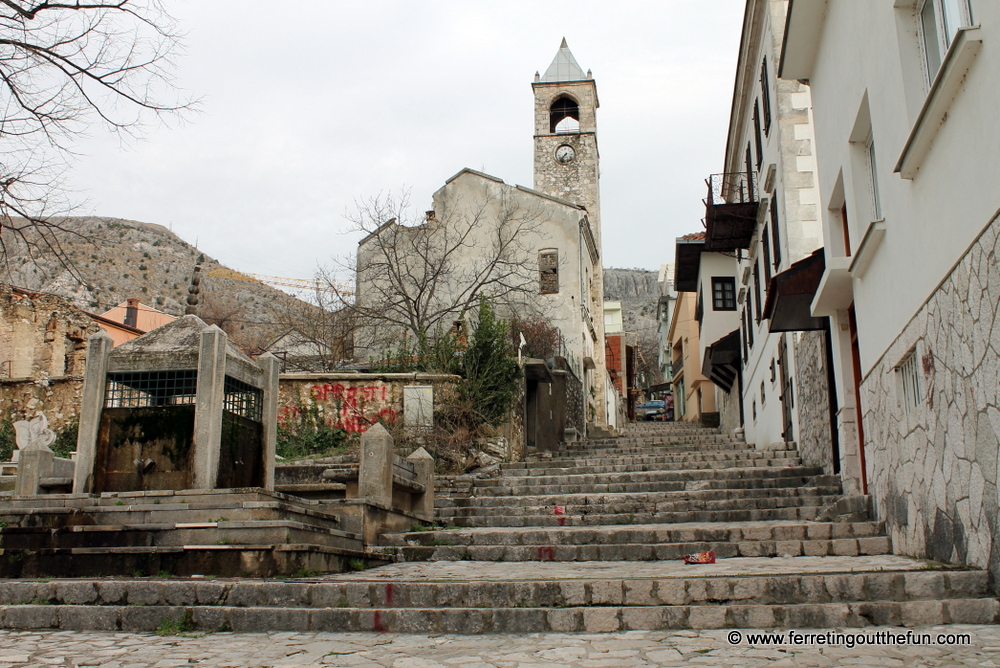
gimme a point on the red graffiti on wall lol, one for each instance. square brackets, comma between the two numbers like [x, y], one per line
[354, 408]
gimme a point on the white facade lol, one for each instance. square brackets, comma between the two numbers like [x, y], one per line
[904, 102]
[770, 152]
[545, 228]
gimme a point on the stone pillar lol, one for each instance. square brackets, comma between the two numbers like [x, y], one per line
[209, 395]
[91, 404]
[269, 417]
[32, 466]
[423, 504]
[375, 475]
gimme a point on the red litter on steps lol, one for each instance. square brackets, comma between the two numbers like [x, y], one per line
[559, 512]
[700, 558]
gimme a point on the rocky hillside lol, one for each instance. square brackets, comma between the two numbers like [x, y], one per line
[638, 290]
[111, 259]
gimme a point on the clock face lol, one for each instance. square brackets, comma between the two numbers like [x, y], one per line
[565, 154]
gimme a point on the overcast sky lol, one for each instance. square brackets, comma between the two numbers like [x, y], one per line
[310, 104]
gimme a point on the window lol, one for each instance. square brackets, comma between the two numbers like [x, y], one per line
[747, 317]
[699, 309]
[873, 178]
[756, 290]
[775, 238]
[908, 381]
[140, 389]
[548, 272]
[765, 93]
[749, 166]
[758, 140]
[723, 293]
[938, 23]
[765, 242]
[763, 395]
[746, 352]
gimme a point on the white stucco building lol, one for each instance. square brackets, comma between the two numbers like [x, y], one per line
[904, 105]
[548, 236]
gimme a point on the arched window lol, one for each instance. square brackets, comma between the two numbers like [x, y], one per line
[564, 116]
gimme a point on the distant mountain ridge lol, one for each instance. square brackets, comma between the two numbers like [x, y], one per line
[117, 259]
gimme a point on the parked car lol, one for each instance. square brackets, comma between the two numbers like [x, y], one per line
[651, 410]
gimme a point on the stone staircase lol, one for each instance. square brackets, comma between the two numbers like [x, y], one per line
[587, 539]
[249, 532]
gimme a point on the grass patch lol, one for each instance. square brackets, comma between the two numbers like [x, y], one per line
[176, 627]
[358, 564]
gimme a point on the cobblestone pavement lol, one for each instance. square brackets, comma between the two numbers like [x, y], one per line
[369, 650]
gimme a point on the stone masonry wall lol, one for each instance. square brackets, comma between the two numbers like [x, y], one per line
[354, 401]
[729, 410]
[58, 399]
[933, 468]
[812, 399]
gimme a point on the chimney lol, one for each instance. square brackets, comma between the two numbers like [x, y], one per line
[430, 216]
[131, 312]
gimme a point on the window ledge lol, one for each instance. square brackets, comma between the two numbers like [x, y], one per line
[835, 291]
[866, 249]
[944, 89]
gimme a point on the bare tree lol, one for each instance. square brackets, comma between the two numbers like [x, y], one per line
[315, 337]
[64, 68]
[417, 275]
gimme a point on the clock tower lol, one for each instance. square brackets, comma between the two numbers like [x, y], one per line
[566, 157]
[567, 166]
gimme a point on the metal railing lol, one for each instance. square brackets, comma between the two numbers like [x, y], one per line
[731, 188]
[676, 366]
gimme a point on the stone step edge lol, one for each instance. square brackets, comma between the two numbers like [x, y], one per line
[177, 549]
[909, 581]
[841, 547]
[235, 526]
[474, 621]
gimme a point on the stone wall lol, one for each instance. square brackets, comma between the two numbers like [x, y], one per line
[812, 399]
[355, 401]
[41, 335]
[58, 399]
[932, 468]
[729, 409]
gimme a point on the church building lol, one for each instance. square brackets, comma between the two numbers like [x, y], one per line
[534, 251]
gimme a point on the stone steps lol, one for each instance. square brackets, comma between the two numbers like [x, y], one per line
[644, 551]
[651, 533]
[175, 534]
[574, 503]
[744, 593]
[749, 478]
[644, 517]
[224, 532]
[640, 464]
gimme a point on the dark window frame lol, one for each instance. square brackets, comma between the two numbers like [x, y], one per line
[757, 137]
[721, 301]
[775, 235]
[765, 92]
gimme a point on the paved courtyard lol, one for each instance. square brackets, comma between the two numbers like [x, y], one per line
[369, 650]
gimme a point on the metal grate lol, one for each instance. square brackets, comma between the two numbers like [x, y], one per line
[243, 399]
[909, 382]
[150, 388]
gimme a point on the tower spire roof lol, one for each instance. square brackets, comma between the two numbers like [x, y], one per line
[564, 66]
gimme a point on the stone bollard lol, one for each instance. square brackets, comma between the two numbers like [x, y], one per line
[423, 504]
[35, 459]
[375, 474]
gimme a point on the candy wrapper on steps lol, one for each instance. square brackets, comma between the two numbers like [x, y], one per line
[700, 558]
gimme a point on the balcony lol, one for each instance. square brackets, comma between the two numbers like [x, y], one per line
[676, 366]
[730, 211]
